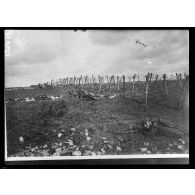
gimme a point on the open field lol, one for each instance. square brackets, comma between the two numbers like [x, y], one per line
[72, 125]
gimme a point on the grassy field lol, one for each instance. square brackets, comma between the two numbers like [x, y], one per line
[107, 121]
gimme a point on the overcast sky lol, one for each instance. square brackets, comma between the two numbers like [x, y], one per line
[42, 55]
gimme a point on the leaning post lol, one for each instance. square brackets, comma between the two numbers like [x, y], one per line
[183, 90]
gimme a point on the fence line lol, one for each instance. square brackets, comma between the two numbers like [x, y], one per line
[117, 81]
[112, 79]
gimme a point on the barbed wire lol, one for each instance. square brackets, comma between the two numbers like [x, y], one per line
[85, 79]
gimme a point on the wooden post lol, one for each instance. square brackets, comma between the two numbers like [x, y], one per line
[100, 82]
[100, 88]
[146, 93]
[185, 75]
[118, 83]
[165, 83]
[108, 80]
[180, 102]
[113, 78]
[85, 80]
[156, 78]
[150, 76]
[147, 81]
[124, 85]
[91, 81]
[180, 77]
[134, 83]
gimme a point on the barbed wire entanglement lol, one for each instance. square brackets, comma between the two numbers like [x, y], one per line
[85, 79]
[142, 88]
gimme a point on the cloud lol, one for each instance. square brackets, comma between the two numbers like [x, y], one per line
[107, 37]
[32, 47]
[42, 55]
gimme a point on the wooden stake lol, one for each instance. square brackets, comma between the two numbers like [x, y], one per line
[124, 86]
[134, 83]
[100, 88]
[91, 81]
[156, 81]
[100, 82]
[147, 81]
[74, 80]
[165, 83]
[112, 79]
[118, 83]
[180, 102]
[146, 93]
[166, 88]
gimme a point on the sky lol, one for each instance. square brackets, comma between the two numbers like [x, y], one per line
[33, 56]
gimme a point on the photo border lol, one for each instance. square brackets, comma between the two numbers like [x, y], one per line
[140, 161]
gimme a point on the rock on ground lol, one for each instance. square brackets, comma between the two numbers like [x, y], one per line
[77, 153]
